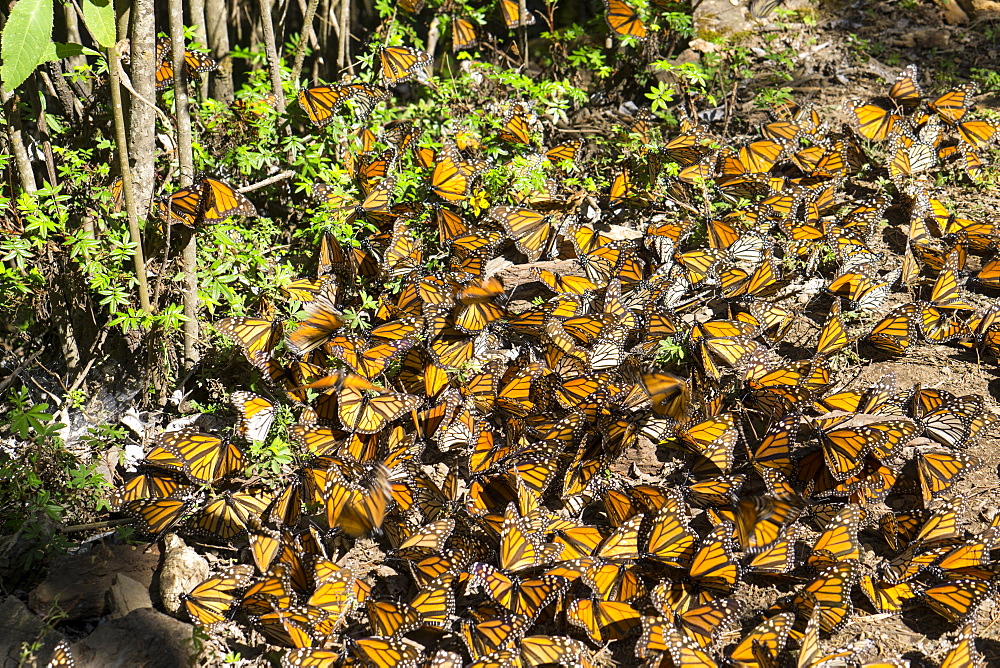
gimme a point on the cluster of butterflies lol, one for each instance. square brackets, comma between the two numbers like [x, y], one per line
[483, 443]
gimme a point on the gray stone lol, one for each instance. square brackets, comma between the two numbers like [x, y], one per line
[183, 569]
[22, 628]
[76, 584]
[125, 596]
[144, 637]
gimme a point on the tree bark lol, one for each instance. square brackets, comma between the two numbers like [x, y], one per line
[307, 33]
[142, 117]
[185, 159]
[73, 35]
[197, 19]
[271, 48]
[118, 112]
[15, 135]
[218, 41]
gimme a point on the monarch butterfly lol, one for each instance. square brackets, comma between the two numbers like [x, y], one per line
[839, 541]
[450, 179]
[528, 229]
[565, 152]
[321, 102]
[402, 63]
[953, 105]
[964, 654]
[230, 515]
[658, 638]
[622, 189]
[956, 600]
[762, 521]
[463, 34]
[670, 540]
[519, 548]
[157, 516]
[811, 654]
[564, 284]
[827, 598]
[874, 122]
[322, 320]
[956, 422]
[910, 155]
[756, 157]
[939, 470]
[885, 596]
[714, 566]
[512, 16]
[526, 597]
[205, 457]
[897, 331]
[206, 201]
[150, 484]
[714, 441]
[764, 642]
[194, 64]
[669, 395]
[362, 413]
[210, 602]
[905, 91]
[602, 620]
[61, 656]
[386, 652]
[477, 309]
[516, 125]
[624, 20]
[254, 415]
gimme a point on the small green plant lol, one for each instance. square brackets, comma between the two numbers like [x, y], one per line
[670, 353]
[40, 479]
[662, 94]
[770, 98]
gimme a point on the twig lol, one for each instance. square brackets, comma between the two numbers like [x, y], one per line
[281, 176]
[20, 367]
[307, 32]
[95, 525]
[125, 81]
[54, 398]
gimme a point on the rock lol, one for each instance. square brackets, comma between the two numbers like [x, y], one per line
[929, 38]
[125, 596]
[183, 569]
[15, 548]
[719, 17]
[21, 627]
[952, 13]
[144, 637]
[76, 584]
[981, 9]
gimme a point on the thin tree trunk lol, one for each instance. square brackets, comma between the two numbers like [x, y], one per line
[218, 41]
[271, 48]
[142, 117]
[307, 32]
[42, 128]
[15, 135]
[118, 112]
[197, 19]
[185, 159]
[73, 35]
[344, 50]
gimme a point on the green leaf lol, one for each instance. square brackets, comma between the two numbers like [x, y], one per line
[70, 49]
[99, 15]
[26, 40]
